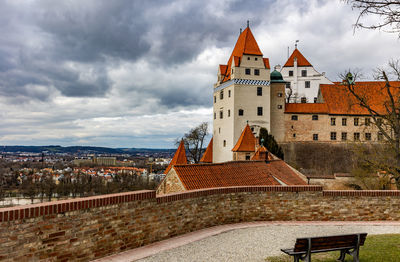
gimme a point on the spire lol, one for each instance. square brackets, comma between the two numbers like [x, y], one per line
[246, 141]
[301, 60]
[208, 154]
[179, 157]
[246, 44]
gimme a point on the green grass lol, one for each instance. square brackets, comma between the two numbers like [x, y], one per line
[377, 248]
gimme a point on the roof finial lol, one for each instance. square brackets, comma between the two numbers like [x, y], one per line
[240, 30]
[247, 121]
[295, 45]
[248, 23]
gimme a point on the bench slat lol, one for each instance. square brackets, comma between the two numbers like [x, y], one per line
[329, 242]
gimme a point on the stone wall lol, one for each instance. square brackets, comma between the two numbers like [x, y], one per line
[88, 228]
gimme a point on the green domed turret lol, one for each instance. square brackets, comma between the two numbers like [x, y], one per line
[276, 77]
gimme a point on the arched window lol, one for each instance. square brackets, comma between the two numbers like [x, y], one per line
[241, 112]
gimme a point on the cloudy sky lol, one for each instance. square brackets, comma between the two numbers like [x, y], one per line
[139, 73]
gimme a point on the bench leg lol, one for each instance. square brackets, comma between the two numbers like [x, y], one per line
[296, 258]
[355, 254]
[342, 255]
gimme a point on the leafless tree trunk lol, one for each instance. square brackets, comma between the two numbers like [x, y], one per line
[194, 141]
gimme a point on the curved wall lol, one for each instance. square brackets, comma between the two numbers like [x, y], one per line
[88, 228]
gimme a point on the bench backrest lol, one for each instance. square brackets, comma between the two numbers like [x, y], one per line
[329, 242]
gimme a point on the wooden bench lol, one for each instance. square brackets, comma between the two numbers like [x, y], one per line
[347, 244]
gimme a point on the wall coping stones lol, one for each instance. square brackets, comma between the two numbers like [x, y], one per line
[62, 206]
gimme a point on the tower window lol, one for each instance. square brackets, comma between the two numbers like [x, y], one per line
[315, 117]
[356, 121]
[294, 135]
[224, 143]
[303, 73]
[344, 121]
[280, 94]
[294, 117]
[241, 112]
[290, 72]
[257, 72]
[259, 111]
[248, 58]
[315, 137]
[229, 93]
[333, 121]
[221, 95]
[333, 135]
[247, 71]
[255, 58]
[229, 112]
[221, 114]
[215, 115]
[308, 84]
[259, 91]
[215, 99]
[279, 106]
[344, 136]
[219, 130]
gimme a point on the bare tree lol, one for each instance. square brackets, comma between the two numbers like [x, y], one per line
[291, 96]
[387, 10]
[385, 117]
[194, 141]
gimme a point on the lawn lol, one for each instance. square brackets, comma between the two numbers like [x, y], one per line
[377, 248]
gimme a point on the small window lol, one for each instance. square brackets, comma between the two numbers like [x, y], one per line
[247, 71]
[356, 136]
[315, 100]
[333, 121]
[215, 115]
[259, 111]
[303, 73]
[290, 72]
[368, 136]
[315, 137]
[229, 112]
[224, 143]
[333, 135]
[344, 136]
[215, 99]
[304, 99]
[315, 117]
[280, 94]
[221, 114]
[259, 91]
[294, 117]
[279, 106]
[229, 93]
[257, 72]
[255, 58]
[356, 121]
[380, 136]
[367, 121]
[248, 58]
[294, 135]
[307, 84]
[219, 130]
[288, 85]
[344, 121]
[241, 112]
[221, 95]
[247, 156]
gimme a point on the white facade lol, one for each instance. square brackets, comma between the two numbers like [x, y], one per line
[247, 93]
[304, 81]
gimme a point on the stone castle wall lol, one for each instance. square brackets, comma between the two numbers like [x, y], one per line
[88, 228]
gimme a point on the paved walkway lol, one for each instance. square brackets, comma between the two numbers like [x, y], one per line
[252, 241]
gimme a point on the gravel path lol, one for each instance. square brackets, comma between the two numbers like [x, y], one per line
[257, 243]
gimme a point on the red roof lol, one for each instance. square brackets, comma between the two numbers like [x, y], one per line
[179, 157]
[246, 141]
[237, 173]
[246, 44]
[298, 108]
[262, 154]
[222, 69]
[266, 63]
[208, 154]
[339, 100]
[301, 60]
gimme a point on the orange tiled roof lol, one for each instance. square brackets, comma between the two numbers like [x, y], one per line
[262, 154]
[246, 141]
[266, 63]
[237, 173]
[246, 44]
[298, 108]
[222, 69]
[208, 154]
[301, 60]
[179, 157]
[340, 101]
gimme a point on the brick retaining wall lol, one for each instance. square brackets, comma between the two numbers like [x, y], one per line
[87, 228]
